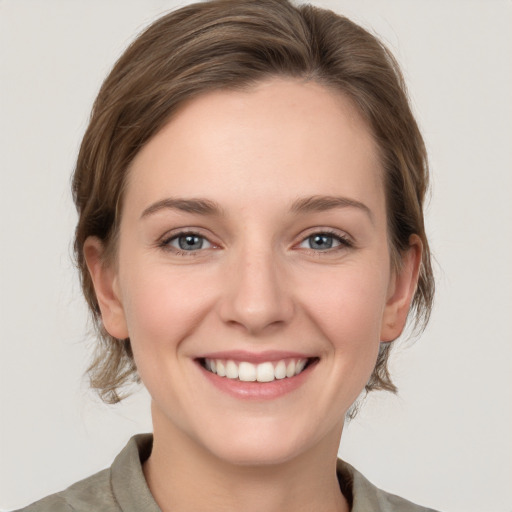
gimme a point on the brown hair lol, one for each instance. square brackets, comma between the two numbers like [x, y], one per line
[225, 44]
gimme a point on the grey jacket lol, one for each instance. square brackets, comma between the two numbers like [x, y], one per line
[123, 488]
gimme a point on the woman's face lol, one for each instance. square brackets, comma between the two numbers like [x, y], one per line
[253, 242]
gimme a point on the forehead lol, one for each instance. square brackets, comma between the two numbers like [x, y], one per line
[280, 139]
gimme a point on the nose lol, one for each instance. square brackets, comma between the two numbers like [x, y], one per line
[258, 296]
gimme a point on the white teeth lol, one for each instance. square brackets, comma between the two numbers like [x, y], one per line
[231, 370]
[265, 372]
[249, 372]
[300, 366]
[280, 370]
[221, 369]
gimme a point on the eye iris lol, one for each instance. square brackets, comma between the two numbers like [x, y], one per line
[190, 242]
[321, 241]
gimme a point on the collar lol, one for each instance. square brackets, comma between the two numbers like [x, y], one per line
[133, 495]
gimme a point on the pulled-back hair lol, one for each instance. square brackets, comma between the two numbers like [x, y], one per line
[233, 44]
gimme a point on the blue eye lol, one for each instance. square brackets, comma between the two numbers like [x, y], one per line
[189, 242]
[323, 242]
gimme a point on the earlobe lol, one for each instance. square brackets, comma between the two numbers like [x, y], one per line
[402, 289]
[104, 278]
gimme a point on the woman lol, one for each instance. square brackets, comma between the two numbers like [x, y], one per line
[250, 242]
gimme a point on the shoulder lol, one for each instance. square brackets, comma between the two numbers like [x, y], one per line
[88, 495]
[366, 497]
[120, 487]
[395, 503]
[53, 503]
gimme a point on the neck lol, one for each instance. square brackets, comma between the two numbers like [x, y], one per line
[183, 477]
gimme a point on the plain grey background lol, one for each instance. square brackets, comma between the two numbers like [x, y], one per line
[445, 440]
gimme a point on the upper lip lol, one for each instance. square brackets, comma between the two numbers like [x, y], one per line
[255, 358]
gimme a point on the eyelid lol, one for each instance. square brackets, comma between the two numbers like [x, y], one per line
[164, 242]
[345, 240]
[177, 237]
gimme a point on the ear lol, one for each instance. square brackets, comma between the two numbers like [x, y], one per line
[105, 281]
[401, 291]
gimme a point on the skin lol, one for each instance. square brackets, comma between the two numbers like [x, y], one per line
[257, 284]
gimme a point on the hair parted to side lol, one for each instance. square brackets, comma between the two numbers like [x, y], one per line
[233, 44]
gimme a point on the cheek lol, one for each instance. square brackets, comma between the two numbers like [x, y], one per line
[347, 305]
[163, 304]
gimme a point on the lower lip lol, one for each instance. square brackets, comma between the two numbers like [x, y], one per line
[258, 390]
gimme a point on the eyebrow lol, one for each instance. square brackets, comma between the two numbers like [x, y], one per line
[302, 205]
[199, 206]
[324, 203]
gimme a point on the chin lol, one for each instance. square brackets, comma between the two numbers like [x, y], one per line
[263, 443]
[258, 453]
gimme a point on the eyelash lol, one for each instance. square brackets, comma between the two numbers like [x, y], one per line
[165, 243]
[344, 242]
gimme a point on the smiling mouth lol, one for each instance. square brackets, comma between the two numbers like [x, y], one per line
[263, 372]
